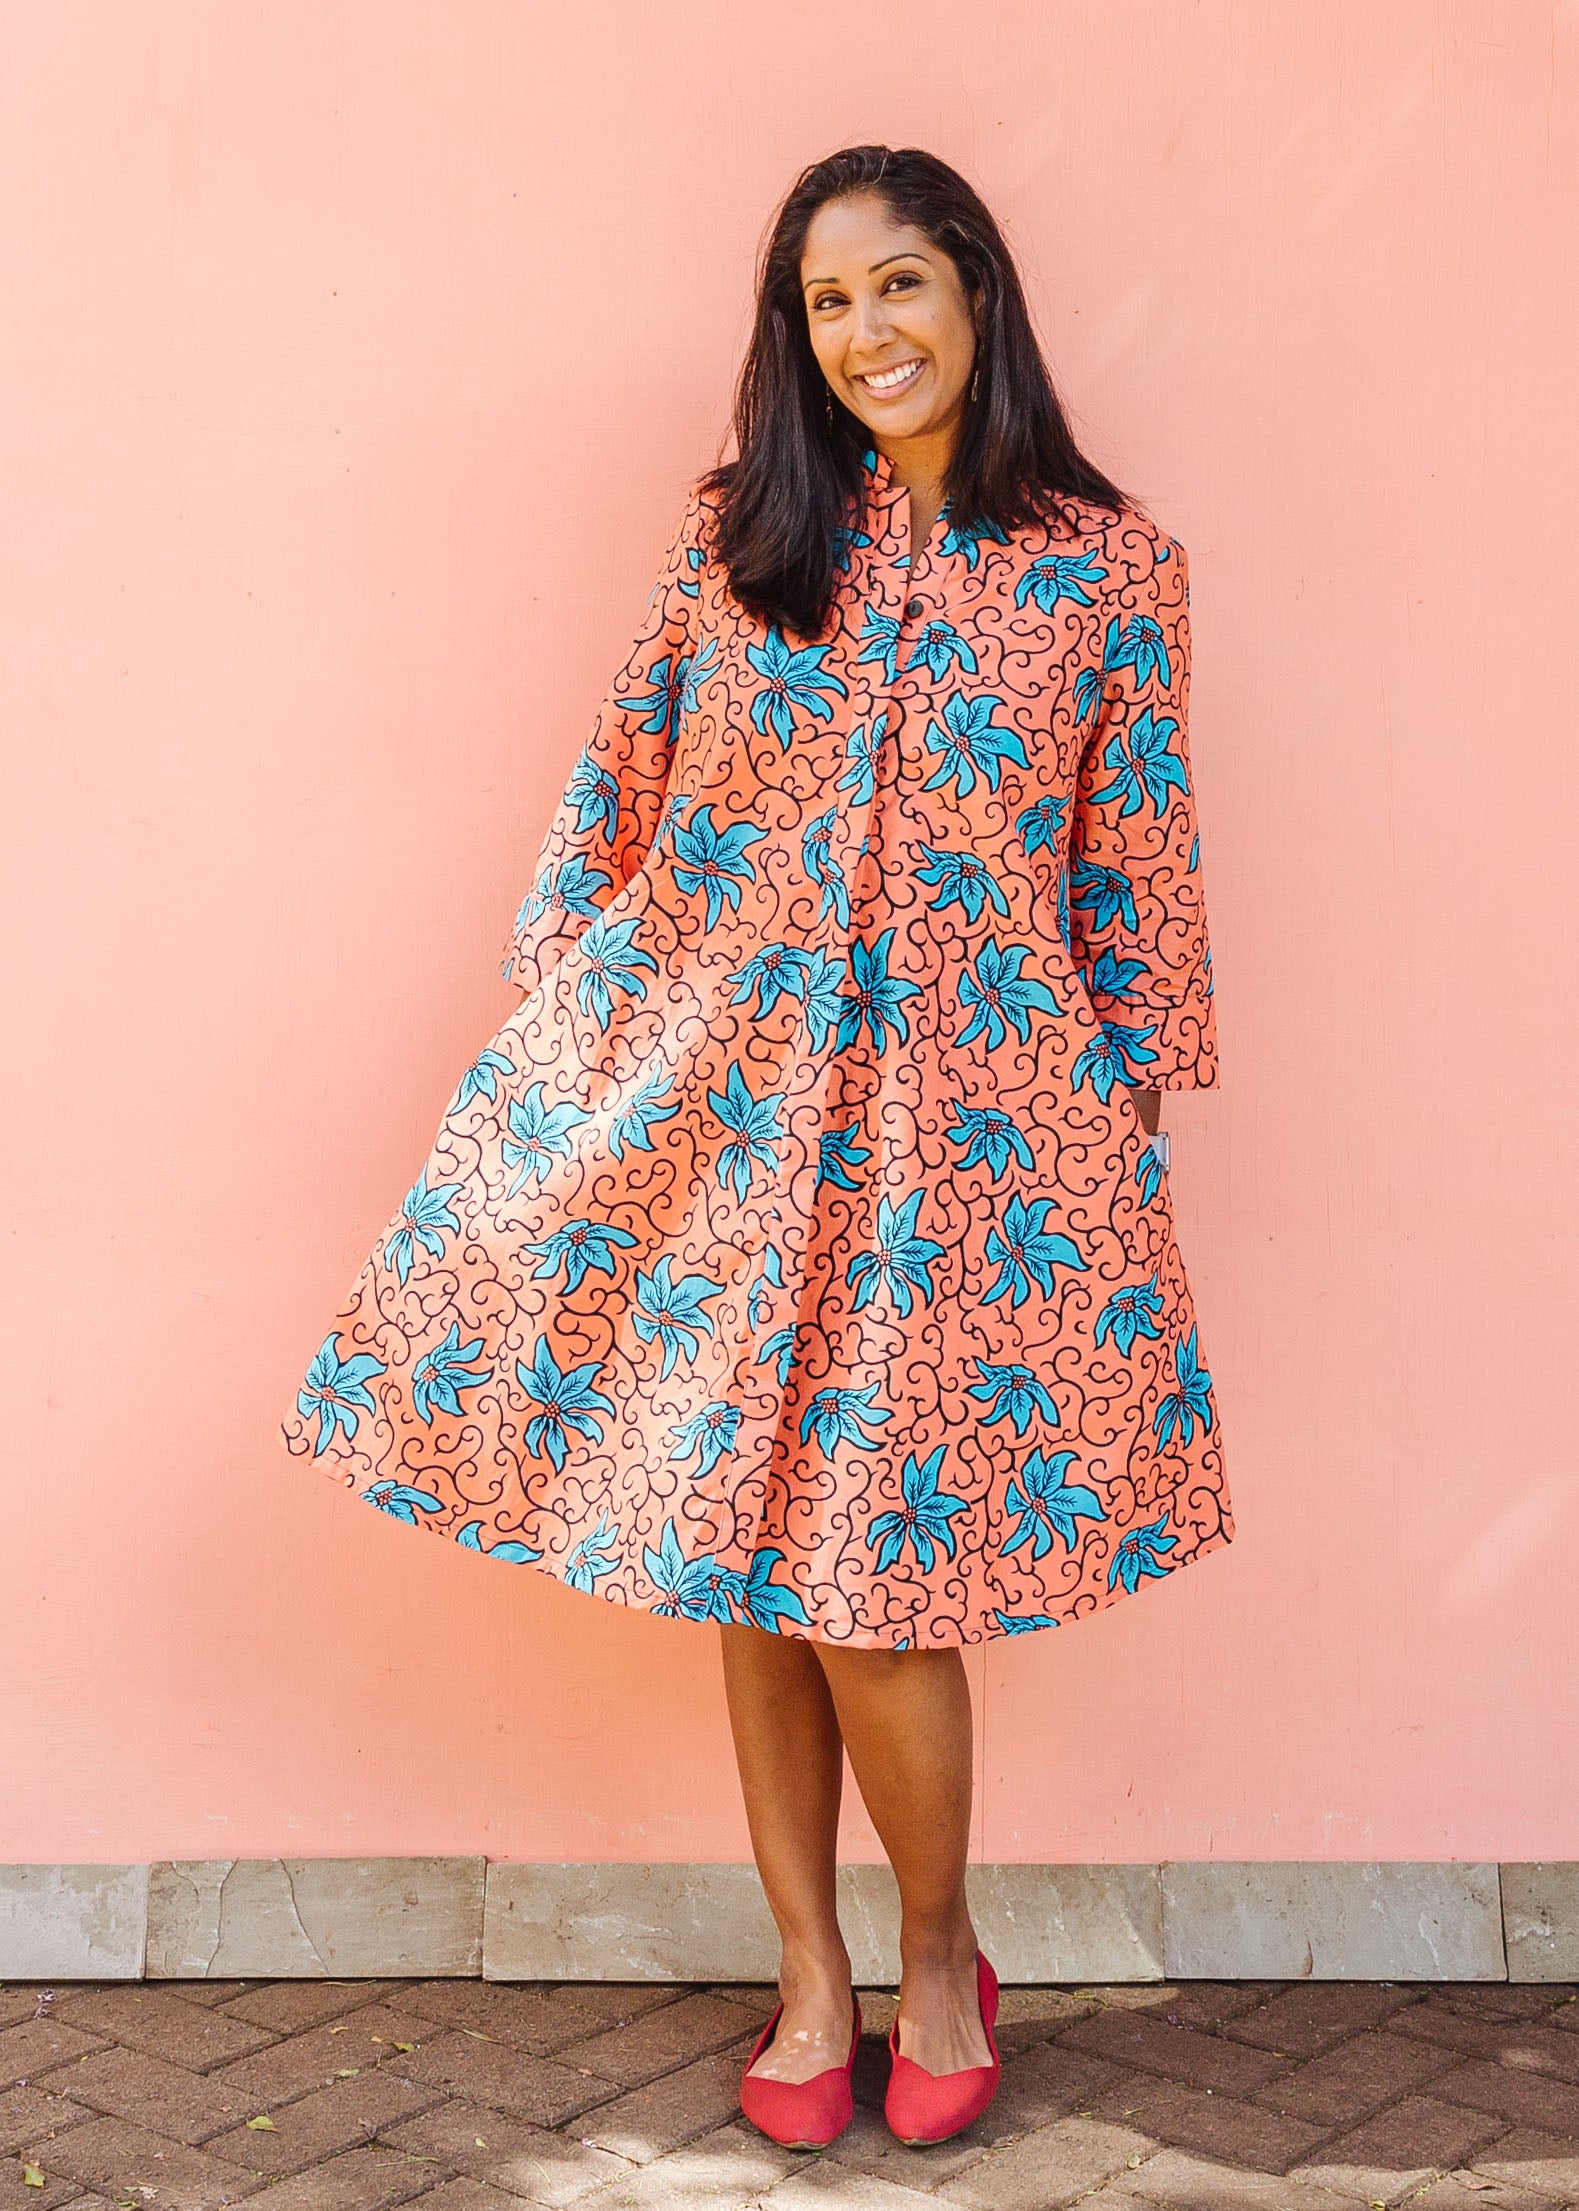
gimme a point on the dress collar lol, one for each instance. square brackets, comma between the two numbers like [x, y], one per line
[881, 489]
[879, 470]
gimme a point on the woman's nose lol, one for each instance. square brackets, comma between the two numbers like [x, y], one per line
[872, 324]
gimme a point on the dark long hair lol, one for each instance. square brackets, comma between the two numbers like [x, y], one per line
[782, 503]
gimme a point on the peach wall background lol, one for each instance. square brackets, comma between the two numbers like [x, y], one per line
[353, 361]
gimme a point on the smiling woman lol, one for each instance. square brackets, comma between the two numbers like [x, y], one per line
[793, 1258]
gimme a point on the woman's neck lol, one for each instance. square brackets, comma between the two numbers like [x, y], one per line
[921, 466]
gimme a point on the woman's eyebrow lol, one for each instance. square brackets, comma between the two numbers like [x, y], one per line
[909, 254]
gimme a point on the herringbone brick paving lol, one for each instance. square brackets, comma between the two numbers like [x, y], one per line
[467, 2095]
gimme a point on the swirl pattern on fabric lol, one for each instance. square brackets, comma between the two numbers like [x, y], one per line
[794, 1253]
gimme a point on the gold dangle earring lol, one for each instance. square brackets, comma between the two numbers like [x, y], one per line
[827, 400]
[975, 382]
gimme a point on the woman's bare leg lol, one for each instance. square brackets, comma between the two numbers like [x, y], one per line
[906, 1721]
[791, 1762]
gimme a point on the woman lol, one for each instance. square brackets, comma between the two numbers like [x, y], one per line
[795, 1257]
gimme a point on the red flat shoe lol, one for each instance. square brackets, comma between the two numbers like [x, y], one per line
[802, 2114]
[923, 2107]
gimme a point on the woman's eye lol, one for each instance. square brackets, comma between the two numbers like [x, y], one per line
[908, 278]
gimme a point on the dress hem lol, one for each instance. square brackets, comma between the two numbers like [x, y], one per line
[330, 1460]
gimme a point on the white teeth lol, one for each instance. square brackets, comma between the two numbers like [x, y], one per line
[890, 377]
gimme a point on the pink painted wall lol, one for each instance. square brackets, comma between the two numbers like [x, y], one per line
[353, 362]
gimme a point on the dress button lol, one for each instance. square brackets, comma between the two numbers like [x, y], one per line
[914, 609]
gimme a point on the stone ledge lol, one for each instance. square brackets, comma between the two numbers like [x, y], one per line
[73, 1923]
[314, 1918]
[377, 1918]
[711, 1922]
[1391, 1921]
[1540, 1911]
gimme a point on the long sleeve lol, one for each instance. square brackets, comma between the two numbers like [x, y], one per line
[1137, 915]
[603, 827]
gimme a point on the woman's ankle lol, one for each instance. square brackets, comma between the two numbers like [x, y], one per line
[813, 1972]
[946, 1948]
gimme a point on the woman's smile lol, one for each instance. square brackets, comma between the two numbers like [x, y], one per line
[885, 383]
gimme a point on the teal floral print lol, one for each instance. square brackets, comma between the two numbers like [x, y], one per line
[791, 1255]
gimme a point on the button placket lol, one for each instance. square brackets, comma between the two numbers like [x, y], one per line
[916, 608]
[888, 587]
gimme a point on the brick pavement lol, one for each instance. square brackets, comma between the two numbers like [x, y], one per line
[490, 2096]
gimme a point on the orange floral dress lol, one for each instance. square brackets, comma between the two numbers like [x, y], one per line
[794, 1254]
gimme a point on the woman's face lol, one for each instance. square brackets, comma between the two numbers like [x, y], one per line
[890, 322]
